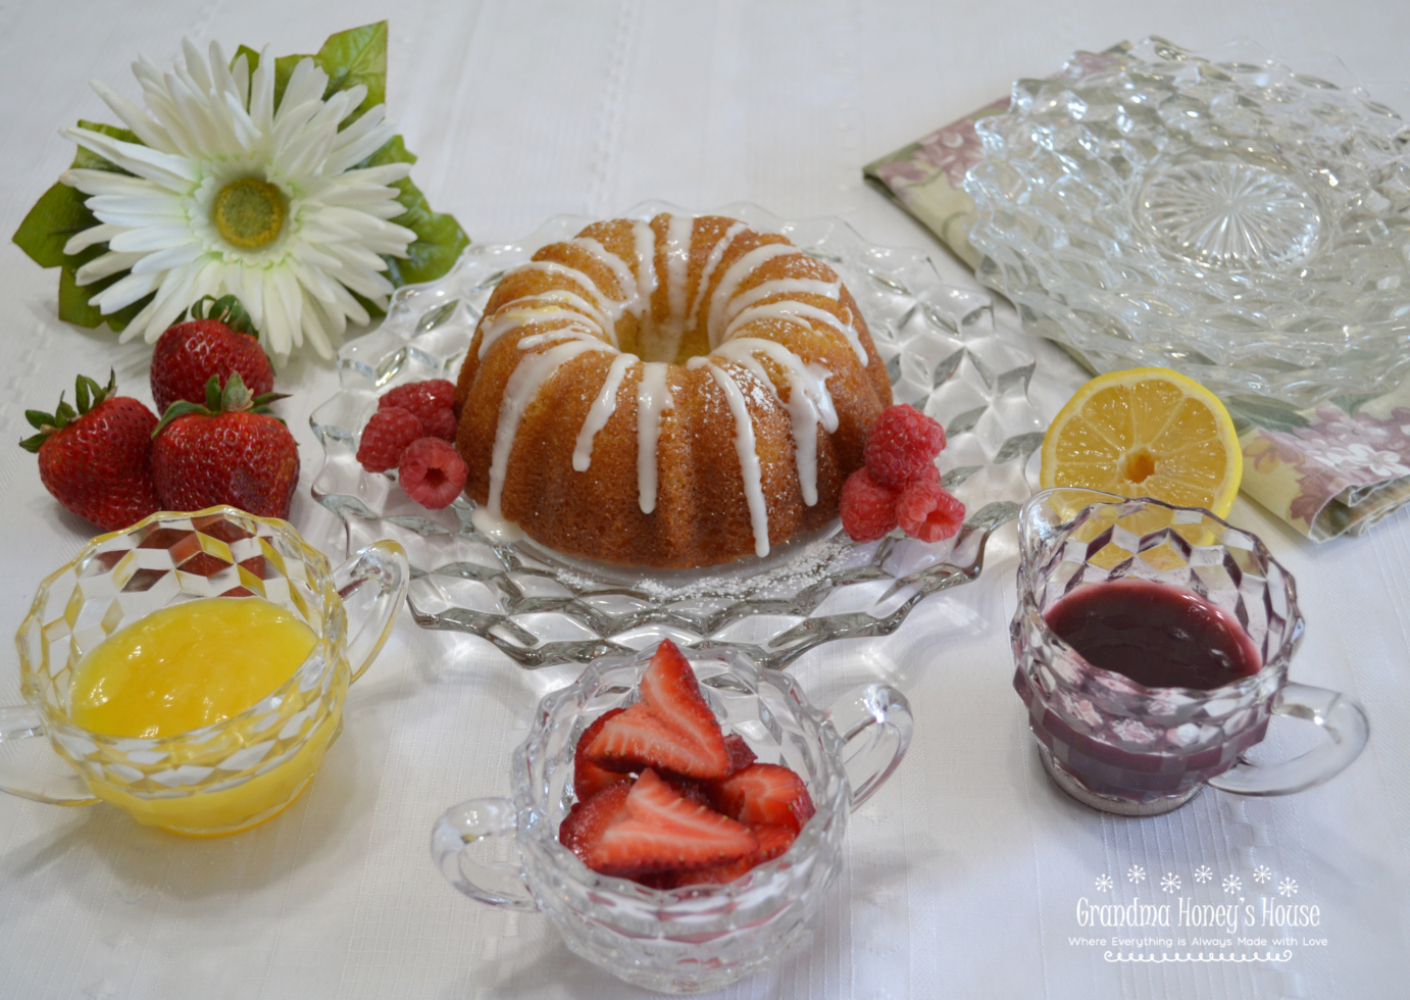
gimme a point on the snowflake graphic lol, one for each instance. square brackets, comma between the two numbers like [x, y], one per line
[1232, 883]
[1261, 874]
[1104, 883]
[1287, 887]
[1136, 874]
[1170, 883]
[1203, 874]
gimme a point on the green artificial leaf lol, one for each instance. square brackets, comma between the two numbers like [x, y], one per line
[357, 56]
[60, 212]
[439, 238]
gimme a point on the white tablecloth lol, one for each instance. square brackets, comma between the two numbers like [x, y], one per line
[963, 875]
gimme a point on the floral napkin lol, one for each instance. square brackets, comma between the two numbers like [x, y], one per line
[1335, 469]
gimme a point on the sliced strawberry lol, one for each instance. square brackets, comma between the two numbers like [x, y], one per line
[765, 793]
[670, 728]
[659, 830]
[585, 823]
[740, 756]
[588, 778]
[774, 839]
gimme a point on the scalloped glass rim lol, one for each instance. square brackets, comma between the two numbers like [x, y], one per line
[540, 607]
[1324, 314]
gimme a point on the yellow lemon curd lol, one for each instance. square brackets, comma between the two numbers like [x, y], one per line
[191, 665]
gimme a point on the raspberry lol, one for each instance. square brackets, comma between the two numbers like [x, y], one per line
[441, 423]
[868, 507]
[901, 442]
[432, 473]
[927, 512]
[424, 399]
[386, 436]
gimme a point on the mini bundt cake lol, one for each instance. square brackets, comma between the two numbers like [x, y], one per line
[670, 394]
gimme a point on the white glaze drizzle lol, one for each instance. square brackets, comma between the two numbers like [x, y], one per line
[554, 297]
[747, 450]
[601, 410]
[621, 270]
[729, 284]
[809, 403]
[521, 388]
[678, 235]
[793, 311]
[717, 254]
[611, 309]
[653, 397]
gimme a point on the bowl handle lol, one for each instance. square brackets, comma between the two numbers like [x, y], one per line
[373, 585]
[881, 714]
[21, 722]
[480, 819]
[1342, 720]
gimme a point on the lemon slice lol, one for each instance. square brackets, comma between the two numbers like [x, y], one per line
[1147, 432]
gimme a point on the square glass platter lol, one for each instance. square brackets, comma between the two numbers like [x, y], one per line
[943, 354]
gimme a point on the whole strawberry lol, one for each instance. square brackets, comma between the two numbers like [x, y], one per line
[229, 451]
[96, 460]
[216, 340]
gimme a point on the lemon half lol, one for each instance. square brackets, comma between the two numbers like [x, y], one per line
[1147, 432]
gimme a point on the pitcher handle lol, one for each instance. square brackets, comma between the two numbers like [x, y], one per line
[22, 722]
[881, 714]
[479, 819]
[382, 572]
[1342, 720]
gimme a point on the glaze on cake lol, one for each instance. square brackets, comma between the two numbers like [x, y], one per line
[670, 394]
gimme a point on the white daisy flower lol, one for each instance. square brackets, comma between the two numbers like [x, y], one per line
[232, 195]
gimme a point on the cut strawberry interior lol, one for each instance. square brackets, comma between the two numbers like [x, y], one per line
[588, 778]
[671, 728]
[765, 793]
[655, 829]
[774, 839]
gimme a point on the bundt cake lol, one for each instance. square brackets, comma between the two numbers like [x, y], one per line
[670, 394]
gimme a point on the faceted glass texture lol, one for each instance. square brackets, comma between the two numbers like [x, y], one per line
[1105, 738]
[1221, 215]
[178, 782]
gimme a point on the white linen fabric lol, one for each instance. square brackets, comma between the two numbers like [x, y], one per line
[964, 876]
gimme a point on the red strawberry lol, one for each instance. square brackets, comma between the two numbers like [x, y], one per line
[96, 461]
[216, 341]
[766, 793]
[740, 755]
[432, 472]
[230, 451]
[588, 778]
[585, 823]
[671, 727]
[657, 830]
[774, 839]
[386, 436]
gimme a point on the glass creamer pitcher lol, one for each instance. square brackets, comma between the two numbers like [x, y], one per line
[230, 775]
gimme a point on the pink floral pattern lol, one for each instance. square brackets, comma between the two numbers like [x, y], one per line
[1335, 452]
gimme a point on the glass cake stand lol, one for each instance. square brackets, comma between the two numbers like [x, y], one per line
[1218, 214]
[540, 607]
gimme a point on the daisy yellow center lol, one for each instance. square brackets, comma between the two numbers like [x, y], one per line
[249, 212]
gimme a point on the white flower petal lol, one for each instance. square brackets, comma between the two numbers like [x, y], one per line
[262, 93]
[106, 266]
[150, 238]
[124, 292]
[155, 206]
[311, 323]
[240, 72]
[162, 260]
[91, 236]
[132, 116]
[174, 297]
[195, 65]
[167, 169]
[306, 84]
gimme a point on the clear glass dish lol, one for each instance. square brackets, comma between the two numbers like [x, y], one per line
[1221, 215]
[539, 607]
